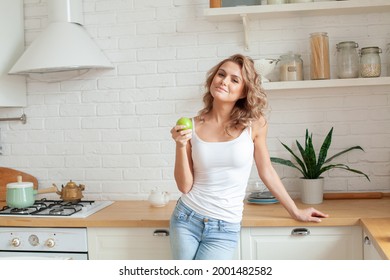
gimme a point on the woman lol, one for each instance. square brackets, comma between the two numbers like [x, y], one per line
[213, 163]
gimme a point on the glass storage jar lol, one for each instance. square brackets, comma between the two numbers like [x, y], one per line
[370, 62]
[301, 1]
[319, 56]
[388, 59]
[272, 2]
[347, 60]
[290, 67]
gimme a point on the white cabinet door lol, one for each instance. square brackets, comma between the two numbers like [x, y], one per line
[12, 87]
[369, 250]
[309, 243]
[128, 244]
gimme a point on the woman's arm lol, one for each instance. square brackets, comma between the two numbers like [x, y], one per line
[183, 170]
[271, 179]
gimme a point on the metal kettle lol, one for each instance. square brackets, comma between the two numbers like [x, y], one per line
[71, 192]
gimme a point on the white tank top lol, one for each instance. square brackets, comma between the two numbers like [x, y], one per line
[221, 173]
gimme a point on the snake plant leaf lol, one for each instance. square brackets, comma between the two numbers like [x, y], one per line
[311, 158]
[324, 150]
[287, 163]
[299, 161]
[306, 137]
[303, 155]
[343, 152]
[345, 167]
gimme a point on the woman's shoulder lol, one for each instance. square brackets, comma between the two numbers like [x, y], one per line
[259, 127]
[259, 123]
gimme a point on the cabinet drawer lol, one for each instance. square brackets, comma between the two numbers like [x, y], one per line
[308, 243]
[129, 243]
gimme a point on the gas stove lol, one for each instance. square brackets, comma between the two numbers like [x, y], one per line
[57, 208]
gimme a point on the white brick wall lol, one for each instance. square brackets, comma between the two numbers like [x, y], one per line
[110, 129]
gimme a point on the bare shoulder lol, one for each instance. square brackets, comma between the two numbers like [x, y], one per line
[259, 128]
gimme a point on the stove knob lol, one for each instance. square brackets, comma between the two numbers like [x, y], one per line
[50, 243]
[15, 242]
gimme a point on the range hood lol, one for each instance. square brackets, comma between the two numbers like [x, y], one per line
[63, 46]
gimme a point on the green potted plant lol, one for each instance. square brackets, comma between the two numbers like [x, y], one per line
[312, 167]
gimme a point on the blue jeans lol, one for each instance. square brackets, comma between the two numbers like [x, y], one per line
[196, 237]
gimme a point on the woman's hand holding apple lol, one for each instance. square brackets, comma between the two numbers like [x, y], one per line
[182, 131]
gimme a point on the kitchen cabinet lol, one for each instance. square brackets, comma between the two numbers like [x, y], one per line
[128, 244]
[369, 250]
[326, 8]
[308, 243]
[131, 244]
[12, 87]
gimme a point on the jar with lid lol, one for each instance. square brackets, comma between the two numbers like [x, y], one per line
[301, 1]
[290, 67]
[347, 60]
[388, 59]
[319, 56]
[215, 3]
[273, 2]
[370, 62]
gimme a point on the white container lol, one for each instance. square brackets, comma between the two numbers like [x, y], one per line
[158, 198]
[264, 67]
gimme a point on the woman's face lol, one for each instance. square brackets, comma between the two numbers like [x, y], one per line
[228, 84]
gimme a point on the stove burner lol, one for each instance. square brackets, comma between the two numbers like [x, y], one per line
[20, 210]
[56, 211]
[40, 204]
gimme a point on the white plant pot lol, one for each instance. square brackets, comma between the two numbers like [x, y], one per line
[312, 191]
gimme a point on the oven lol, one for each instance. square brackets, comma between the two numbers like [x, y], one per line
[44, 242]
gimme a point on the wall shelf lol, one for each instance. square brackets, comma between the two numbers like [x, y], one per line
[332, 83]
[329, 8]
[298, 10]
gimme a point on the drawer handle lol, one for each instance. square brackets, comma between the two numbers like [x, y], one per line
[161, 232]
[367, 240]
[300, 232]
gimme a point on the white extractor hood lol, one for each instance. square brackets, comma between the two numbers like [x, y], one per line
[63, 46]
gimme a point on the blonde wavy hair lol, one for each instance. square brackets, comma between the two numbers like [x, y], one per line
[246, 110]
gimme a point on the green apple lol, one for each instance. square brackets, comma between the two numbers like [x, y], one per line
[186, 122]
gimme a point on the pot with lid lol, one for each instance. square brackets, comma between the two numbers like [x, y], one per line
[71, 192]
[22, 194]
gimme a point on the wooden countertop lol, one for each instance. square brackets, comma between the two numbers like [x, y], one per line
[372, 214]
[141, 214]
